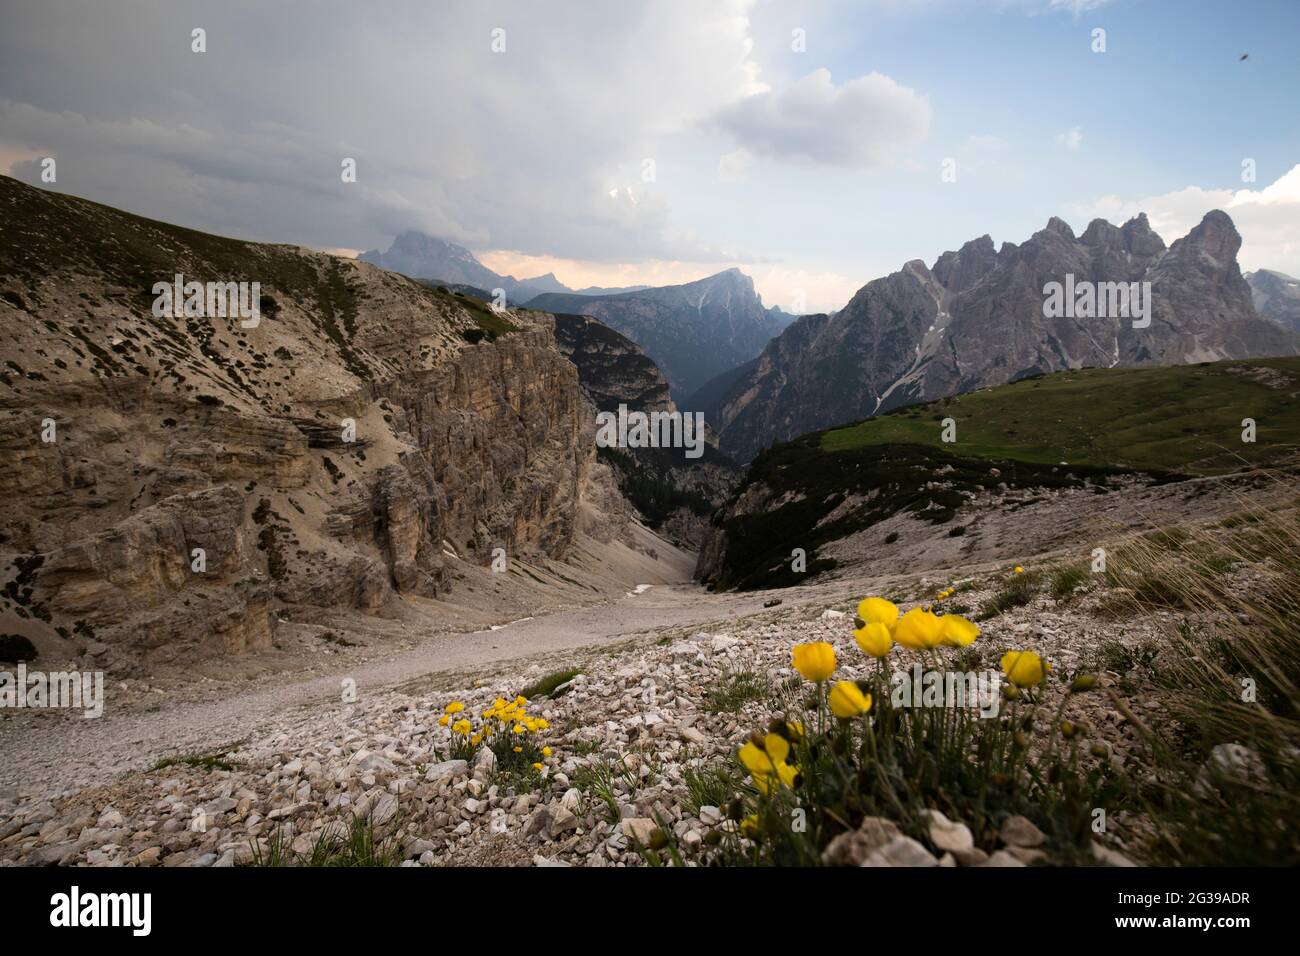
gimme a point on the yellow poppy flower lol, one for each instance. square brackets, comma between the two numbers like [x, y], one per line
[1019, 569]
[546, 751]
[815, 661]
[1024, 668]
[876, 610]
[519, 750]
[444, 720]
[874, 639]
[537, 766]
[461, 727]
[755, 760]
[919, 630]
[767, 782]
[777, 747]
[455, 707]
[957, 631]
[847, 700]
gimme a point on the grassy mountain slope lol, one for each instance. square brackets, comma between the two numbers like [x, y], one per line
[1098, 430]
[1185, 419]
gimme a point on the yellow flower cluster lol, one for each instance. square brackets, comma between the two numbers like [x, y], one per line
[766, 757]
[511, 717]
[502, 718]
[920, 629]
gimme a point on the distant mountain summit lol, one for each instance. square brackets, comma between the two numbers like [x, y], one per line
[1276, 296]
[980, 318]
[693, 331]
[421, 256]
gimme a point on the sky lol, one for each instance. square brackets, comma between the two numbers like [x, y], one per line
[815, 145]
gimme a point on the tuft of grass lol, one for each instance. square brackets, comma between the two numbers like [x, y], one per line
[1229, 675]
[1017, 591]
[216, 760]
[356, 844]
[712, 785]
[1065, 580]
[546, 686]
[600, 778]
[735, 689]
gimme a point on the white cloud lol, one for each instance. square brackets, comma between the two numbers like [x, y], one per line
[1268, 219]
[1071, 138]
[864, 123]
[734, 166]
[1076, 6]
[506, 149]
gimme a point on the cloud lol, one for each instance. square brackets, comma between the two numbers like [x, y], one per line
[1076, 6]
[514, 150]
[1268, 219]
[733, 167]
[1071, 138]
[864, 123]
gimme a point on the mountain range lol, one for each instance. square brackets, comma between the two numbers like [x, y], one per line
[977, 318]
[421, 256]
[693, 331]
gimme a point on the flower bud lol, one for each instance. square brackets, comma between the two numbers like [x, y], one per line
[1083, 682]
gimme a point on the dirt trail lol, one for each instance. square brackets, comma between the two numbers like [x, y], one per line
[59, 751]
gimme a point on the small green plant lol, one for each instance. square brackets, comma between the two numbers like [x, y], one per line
[546, 686]
[355, 844]
[215, 760]
[1065, 580]
[736, 688]
[599, 779]
[1017, 591]
[16, 648]
[712, 785]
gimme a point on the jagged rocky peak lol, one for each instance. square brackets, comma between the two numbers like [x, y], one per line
[958, 271]
[1276, 296]
[1101, 234]
[1140, 239]
[978, 320]
[1056, 226]
[1215, 236]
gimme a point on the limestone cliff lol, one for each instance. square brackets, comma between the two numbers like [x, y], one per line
[171, 486]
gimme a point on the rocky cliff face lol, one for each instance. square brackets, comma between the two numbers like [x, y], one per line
[977, 319]
[170, 485]
[692, 332]
[1277, 297]
[674, 494]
